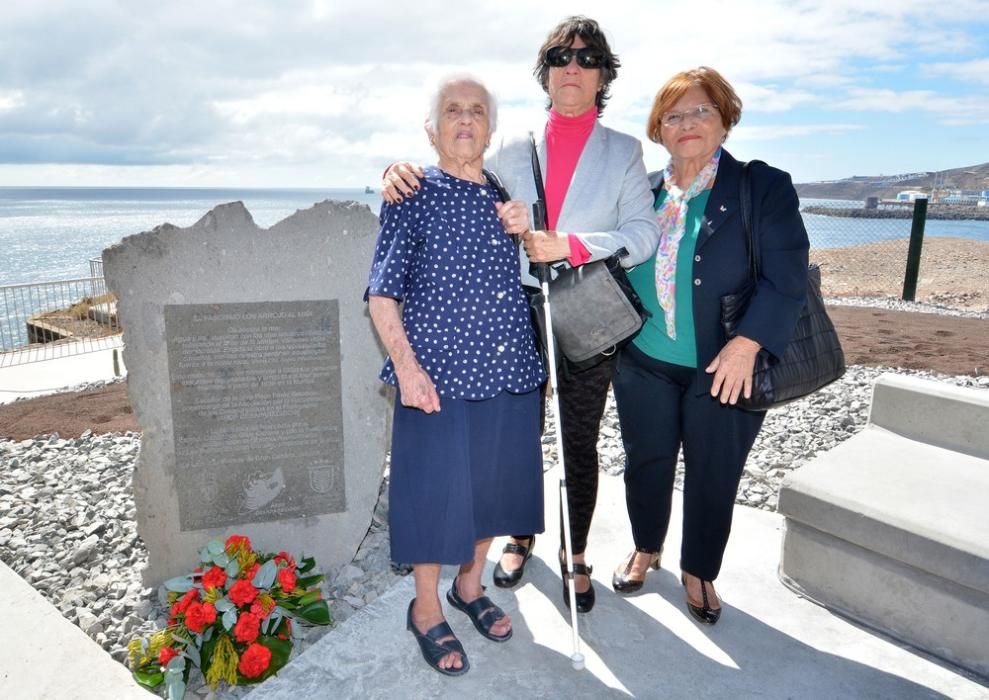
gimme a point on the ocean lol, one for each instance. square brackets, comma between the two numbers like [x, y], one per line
[49, 234]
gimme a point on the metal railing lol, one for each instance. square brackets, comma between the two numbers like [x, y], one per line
[46, 320]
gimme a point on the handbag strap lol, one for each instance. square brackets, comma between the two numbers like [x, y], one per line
[539, 206]
[497, 184]
[745, 200]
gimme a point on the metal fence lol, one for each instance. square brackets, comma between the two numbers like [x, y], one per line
[45, 320]
[889, 251]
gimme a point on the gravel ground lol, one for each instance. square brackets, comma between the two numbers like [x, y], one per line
[68, 527]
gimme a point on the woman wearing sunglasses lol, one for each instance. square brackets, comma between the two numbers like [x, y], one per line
[677, 383]
[597, 201]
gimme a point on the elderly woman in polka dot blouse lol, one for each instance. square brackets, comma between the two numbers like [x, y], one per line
[446, 300]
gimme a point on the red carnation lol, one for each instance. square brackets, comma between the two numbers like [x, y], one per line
[214, 578]
[262, 607]
[235, 542]
[167, 654]
[183, 603]
[285, 558]
[199, 616]
[251, 572]
[247, 628]
[286, 577]
[242, 593]
[254, 661]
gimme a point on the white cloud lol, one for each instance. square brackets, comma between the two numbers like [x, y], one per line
[976, 71]
[768, 132]
[335, 89]
[949, 110]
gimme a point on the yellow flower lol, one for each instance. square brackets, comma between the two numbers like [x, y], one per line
[223, 665]
[139, 658]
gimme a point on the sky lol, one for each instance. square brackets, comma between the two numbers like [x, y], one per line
[326, 93]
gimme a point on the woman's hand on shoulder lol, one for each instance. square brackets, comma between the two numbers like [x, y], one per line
[417, 389]
[401, 180]
[514, 216]
[546, 246]
[732, 369]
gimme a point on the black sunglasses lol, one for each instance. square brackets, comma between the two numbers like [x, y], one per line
[587, 57]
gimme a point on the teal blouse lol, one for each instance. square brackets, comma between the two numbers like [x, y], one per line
[652, 339]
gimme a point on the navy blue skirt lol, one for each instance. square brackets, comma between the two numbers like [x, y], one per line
[471, 471]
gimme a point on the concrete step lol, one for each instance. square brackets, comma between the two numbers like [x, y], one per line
[890, 527]
[43, 656]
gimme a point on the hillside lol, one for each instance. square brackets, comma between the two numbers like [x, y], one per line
[972, 177]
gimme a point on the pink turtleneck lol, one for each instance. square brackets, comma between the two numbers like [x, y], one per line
[565, 141]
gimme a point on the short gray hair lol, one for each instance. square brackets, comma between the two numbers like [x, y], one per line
[434, 102]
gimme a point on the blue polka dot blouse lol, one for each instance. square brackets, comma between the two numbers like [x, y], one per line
[445, 254]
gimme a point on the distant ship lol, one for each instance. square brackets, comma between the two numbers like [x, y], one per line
[368, 190]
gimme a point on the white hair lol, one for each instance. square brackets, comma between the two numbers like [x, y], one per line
[434, 103]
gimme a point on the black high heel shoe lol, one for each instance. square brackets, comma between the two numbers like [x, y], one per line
[622, 580]
[585, 600]
[704, 614]
[507, 579]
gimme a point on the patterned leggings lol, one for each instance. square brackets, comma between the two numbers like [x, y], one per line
[582, 399]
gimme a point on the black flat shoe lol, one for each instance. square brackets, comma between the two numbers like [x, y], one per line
[623, 581]
[507, 579]
[433, 650]
[585, 600]
[704, 614]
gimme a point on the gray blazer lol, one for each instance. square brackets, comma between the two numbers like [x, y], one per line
[608, 205]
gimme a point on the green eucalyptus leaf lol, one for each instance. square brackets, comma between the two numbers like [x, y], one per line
[208, 634]
[223, 604]
[233, 568]
[221, 559]
[214, 546]
[180, 584]
[229, 619]
[205, 554]
[265, 577]
[176, 687]
[192, 653]
[181, 640]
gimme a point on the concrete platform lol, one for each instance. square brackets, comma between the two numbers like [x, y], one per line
[43, 656]
[769, 643]
[42, 370]
[890, 527]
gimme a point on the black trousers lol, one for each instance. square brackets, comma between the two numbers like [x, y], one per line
[582, 400]
[660, 413]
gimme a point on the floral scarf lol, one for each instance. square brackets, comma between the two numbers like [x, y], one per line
[672, 222]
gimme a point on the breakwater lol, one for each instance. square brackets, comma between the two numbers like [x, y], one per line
[943, 212]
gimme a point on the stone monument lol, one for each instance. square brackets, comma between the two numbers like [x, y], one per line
[252, 372]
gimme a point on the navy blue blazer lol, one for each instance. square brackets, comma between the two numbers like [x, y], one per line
[721, 264]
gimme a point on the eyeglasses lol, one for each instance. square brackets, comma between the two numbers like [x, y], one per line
[700, 113]
[587, 57]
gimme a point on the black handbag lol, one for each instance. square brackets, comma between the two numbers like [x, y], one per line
[813, 358]
[595, 309]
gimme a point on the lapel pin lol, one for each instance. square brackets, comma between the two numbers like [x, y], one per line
[724, 208]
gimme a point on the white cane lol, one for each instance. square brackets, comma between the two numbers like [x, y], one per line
[576, 659]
